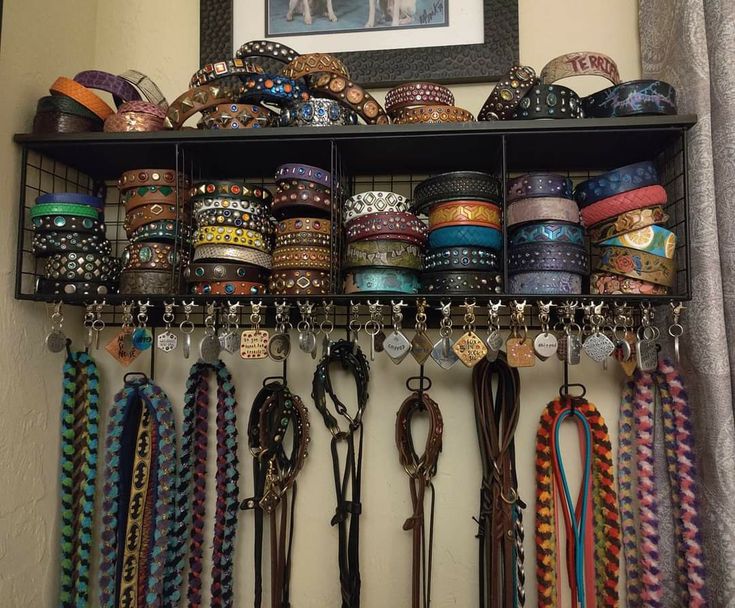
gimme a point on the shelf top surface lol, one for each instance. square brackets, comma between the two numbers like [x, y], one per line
[565, 144]
[683, 121]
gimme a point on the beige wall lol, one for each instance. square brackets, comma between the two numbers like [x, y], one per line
[43, 39]
[40, 40]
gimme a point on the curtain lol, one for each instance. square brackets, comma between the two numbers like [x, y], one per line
[691, 44]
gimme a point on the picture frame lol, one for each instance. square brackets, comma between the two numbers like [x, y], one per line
[485, 62]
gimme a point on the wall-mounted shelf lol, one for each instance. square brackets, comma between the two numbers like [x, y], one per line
[561, 145]
[365, 157]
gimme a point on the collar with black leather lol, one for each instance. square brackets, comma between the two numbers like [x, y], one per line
[549, 101]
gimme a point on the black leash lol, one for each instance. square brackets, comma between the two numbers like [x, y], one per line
[274, 411]
[347, 515]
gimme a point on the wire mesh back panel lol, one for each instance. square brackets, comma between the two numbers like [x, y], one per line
[40, 175]
[671, 165]
[671, 170]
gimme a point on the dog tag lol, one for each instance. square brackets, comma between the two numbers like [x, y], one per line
[494, 343]
[561, 349]
[622, 351]
[210, 348]
[142, 338]
[573, 351]
[421, 347]
[520, 352]
[230, 341]
[121, 347]
[545, 345]
[598, 347]
[254, 344]
[397, 346]
[378, 341]
[307, 342]
[443, 353]
[326, 346]
[167, 341]
[56, 341]
[470, 349]
[279, 347]
[625, 353]
[646, 354]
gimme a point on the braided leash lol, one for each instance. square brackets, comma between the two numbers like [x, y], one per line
[122, 447]
[191, 508]
[519, 556]
[645, 394]
[79, 443]
[598, 570]
[626, 453]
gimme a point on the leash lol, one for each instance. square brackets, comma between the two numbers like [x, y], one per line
[500, 522]
[193, 483]
[79, 443]
[274, 411]
[646, 395]
[138, 505]
[592, 526]
[347, 515]
[420, 470]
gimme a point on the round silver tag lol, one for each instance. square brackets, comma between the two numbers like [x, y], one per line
[279, 347]
[307, 342]
[209, 349]
[56, 341]
[545, 345]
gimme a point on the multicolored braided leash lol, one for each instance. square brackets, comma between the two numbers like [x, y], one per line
[645, 396]
[193, 482]
[593, 526]
[79, 443]
[138, 503]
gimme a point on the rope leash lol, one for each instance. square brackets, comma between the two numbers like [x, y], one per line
[79, 445]
[647, 394]
[128, 461]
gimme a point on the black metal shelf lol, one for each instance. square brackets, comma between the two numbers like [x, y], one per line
[568, 145]
[361, 158]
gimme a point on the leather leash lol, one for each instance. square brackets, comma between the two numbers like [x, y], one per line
[79, 443]
[593, 526]
[421, 470]
[352, 359]
[193, 482]
[648, 394]
[139, 504]
[500, 532]
[274, 410]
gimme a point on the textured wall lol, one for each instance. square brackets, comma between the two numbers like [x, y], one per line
[161, 39]
[40, 40]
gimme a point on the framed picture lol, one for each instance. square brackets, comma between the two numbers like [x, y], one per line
[383, 42]
[296, 18]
